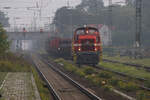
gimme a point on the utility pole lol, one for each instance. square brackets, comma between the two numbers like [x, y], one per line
[71, 15]
[34, 21]
[138, 23]
[68, 3]
[40, 9]
[14, 23]
[96, 12]
[96, 7]
[110, 21]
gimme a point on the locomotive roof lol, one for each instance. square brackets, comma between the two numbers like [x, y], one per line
[82, 28]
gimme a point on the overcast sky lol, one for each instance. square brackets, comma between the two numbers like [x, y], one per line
[49, 7]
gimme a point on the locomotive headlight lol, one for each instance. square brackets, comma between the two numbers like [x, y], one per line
[95, 44]
[58, 48]
[79, 49]
[95, 49]
[87, 31]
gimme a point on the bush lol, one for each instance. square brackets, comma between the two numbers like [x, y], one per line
[70, 67]
[8, 66]
[59, 60]
[4, 43]
[105, 75]
[88, 70]
[89, 77]
[147, 84]
[96, 81]
[66, 65]
[128, 87]
[107, 88]
[141, 95]
[114, 81]
[80, 73]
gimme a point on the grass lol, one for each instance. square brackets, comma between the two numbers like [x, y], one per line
[128, 87]
[12, 63]
[8, 66]
[144, 61]
[105, 74]
[2, 76]
[126, 69]
[86, 72]
[108, 80]
[142, 95]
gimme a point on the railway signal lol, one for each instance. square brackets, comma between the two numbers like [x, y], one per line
[41, 30]
[138, 20]
[24, 30]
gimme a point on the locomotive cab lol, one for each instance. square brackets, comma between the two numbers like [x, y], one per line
[86, 46]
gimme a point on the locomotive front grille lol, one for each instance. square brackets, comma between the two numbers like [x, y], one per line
[87, 45]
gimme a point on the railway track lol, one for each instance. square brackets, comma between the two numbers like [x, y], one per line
[120, 74]
[125, 75]
[61, 86]
[147, 68]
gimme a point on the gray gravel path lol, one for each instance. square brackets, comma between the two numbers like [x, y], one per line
[20, 86]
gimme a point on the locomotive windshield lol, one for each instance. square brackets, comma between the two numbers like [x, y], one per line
[82, 31]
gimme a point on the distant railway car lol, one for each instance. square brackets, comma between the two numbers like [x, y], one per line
[41, 30]
[86, 46]
[59, 46]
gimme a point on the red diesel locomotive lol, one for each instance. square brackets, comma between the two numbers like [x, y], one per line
[86, 46]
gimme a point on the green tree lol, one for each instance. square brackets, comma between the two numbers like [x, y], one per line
[91, 6]
[66, 19]
[124, 23]
[130, 2]
[4, 43]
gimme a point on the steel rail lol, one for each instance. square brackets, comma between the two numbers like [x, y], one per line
[50, 87]
[147, 68]
[91, 95]
[125, 75]
[120, 73]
